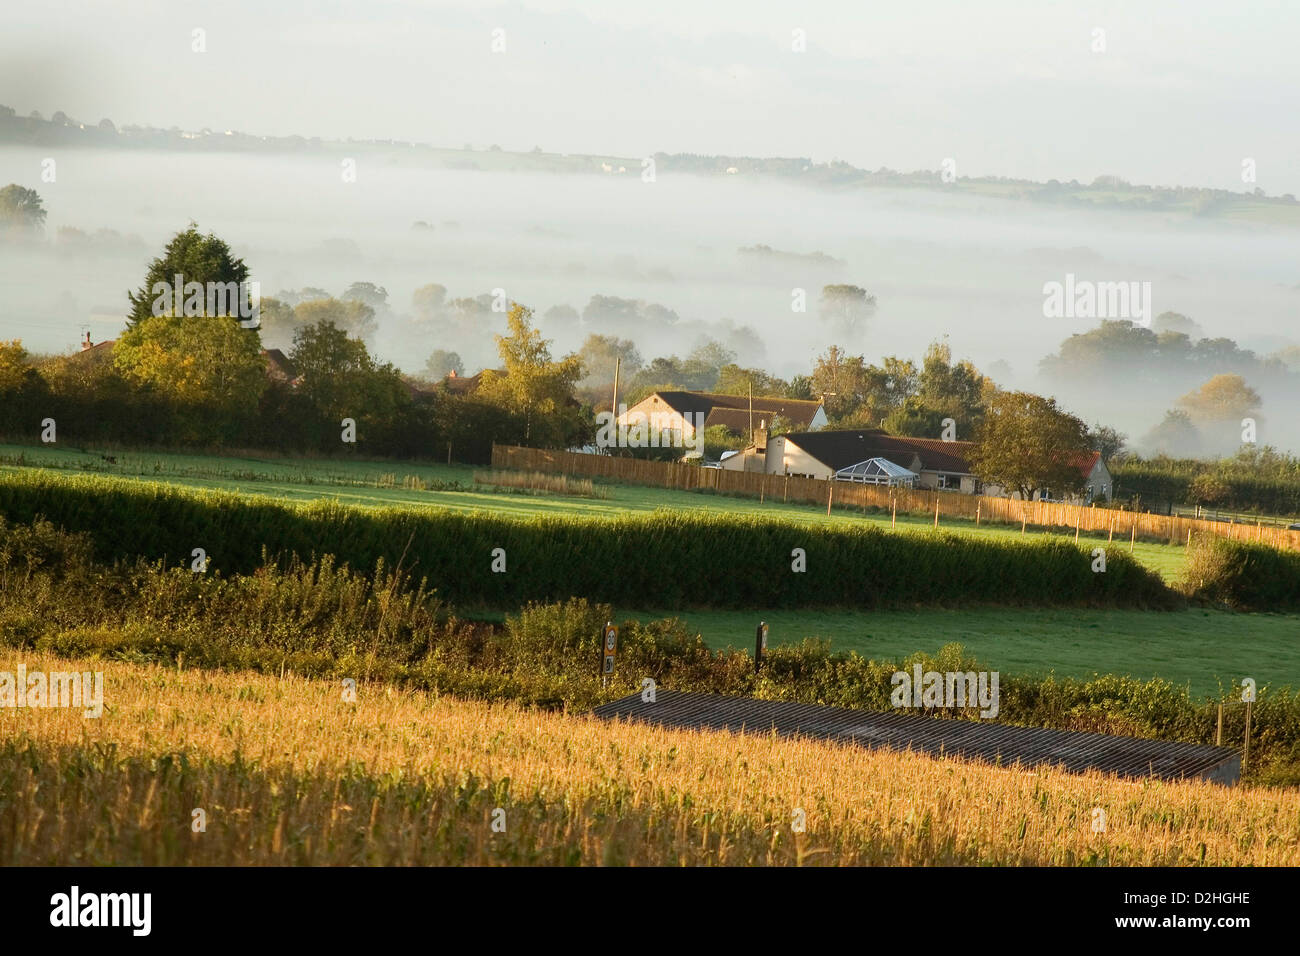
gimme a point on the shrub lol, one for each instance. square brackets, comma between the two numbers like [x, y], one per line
[1243, 575]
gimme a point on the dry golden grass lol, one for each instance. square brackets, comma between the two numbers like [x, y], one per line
[541, 481]
[288, 773]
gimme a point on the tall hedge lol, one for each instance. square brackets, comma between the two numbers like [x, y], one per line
[667, 560]
[1244, 575]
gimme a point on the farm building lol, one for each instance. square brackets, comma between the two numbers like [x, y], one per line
[876, 457]
[467, 384]
[673, 411]
[279, 368]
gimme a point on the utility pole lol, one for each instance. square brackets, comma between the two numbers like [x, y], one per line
[618, 367]
[751, 411]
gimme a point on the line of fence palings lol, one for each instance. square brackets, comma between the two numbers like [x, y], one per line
[790, 488]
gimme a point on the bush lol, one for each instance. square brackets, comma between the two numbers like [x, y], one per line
[1243, 575]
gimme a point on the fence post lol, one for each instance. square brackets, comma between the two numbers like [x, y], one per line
[1133, 538]
[830, 495]
[936, 509]
[1218, 729]
[1245, 755]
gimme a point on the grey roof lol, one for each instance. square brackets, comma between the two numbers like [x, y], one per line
[983, 740]
[842, 448]
[877, 466]
[733, 411]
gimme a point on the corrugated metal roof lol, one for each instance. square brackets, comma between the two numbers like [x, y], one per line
[986, 741]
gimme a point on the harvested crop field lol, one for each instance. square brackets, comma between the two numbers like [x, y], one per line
[286, 771]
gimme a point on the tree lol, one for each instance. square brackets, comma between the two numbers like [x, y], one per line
[1115, 343]
[610, 311]
[1027, 443]
[21, 210]
[208, 367]
[1106, 440]
[533, 386]
[428, 300]
[1208, 489]
[442, 363]
[277, 322]
[22, 389]
[601, 353]
[840, 381]
[705, 363]
[375, 296]
[472, 314]
[943, 385]
[560, 316]
[734, 380]
[1175, 435]
[1224, 398]
[801, 387]
[1177, 322]
[916, 404]
[353, 316]
[195, 258]
[14, 366]
[915, 419]
[846, 305]
[340, 378]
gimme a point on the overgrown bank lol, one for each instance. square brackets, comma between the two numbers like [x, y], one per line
[323, 620]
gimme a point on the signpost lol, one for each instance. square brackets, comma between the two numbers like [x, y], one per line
[609, 648]
[760, 645]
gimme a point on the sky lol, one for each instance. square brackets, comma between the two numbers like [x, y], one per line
[1167, 93]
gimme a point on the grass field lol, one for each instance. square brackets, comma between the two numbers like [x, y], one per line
[1197, 648]
[1200, 649]
[363, 483]
[284, 771]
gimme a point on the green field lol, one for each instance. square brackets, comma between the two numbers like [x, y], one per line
[360, 483]
[1198, 648]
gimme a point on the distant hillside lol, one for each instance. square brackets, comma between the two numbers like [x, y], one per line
[1104, 192]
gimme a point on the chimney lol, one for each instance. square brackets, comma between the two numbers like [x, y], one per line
[85, 342]
[451, 374]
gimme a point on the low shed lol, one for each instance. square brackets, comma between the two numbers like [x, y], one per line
[1073, 751]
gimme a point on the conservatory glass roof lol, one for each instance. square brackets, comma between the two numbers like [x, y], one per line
[876, 468]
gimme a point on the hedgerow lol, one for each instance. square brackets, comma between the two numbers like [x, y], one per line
[671, 560]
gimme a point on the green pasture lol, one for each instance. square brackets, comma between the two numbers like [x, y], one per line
[1199, 648]
[361, 483]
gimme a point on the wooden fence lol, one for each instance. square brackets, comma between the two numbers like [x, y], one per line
[1114, 523]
